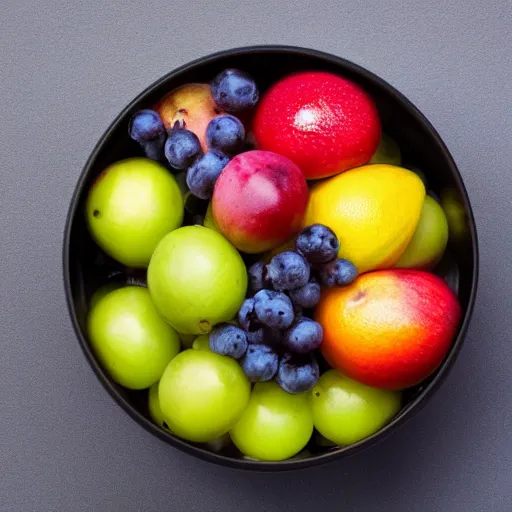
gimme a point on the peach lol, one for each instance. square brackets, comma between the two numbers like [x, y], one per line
[192, 106]
[389, 329]
[259, 200]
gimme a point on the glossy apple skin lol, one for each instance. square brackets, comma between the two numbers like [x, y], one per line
[325, 123]
[259, 200]
[191, 104]
[390, 328]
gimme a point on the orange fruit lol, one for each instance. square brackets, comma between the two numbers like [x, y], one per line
[390, 328]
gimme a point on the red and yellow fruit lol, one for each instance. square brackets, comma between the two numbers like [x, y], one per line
[325, 123]
[259, 201]
[390, 328]
[191, 106]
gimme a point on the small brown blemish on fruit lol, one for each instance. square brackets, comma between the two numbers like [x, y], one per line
[317, 394]
[358, 297]
[204, 326]
[96, 214]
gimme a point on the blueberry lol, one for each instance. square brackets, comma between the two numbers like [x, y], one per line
[228, 340]
[318, 243]
[256, 337]
[256, 277]
[297, 374]
[265, 336]
[273, 309]
[146, 128]
[234, 90]
[182, 148]
[154, 149]
[146, 125]
[304, 336]
[260, 363]
[246, 314]
[306, 296]
[298, 311]
[288, 270]
[337, 273]
[225, 133]
[272, 336]
[203, 173]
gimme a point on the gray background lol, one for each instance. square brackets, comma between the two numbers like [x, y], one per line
[67, 68]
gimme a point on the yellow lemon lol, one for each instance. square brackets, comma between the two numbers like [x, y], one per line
[373, 209]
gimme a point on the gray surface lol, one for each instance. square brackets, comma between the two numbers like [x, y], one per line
[67, 68]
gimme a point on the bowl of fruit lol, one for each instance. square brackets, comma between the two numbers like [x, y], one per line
[270, 258]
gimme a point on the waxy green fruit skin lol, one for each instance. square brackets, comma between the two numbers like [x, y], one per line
[276, 425]
[202, 394]
[154, 407]
[429, 240]
[197, 279]
[346, 411]
[131, 206]
[387, 152]
[130, 339]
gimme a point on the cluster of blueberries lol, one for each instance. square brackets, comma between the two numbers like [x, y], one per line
[274, 336]
[232, 91]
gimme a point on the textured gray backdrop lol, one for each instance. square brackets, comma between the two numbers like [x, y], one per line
[66, 69]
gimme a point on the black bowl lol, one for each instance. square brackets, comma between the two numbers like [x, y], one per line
[86, 268]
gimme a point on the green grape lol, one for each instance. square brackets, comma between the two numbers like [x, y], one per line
[346, 411]
[202, 394]
[275, 425]
[202, 342]
[131, 340]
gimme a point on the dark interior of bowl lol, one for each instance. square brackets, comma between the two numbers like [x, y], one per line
[86, 268]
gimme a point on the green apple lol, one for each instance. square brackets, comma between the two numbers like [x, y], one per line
[455, 214]
[132, 205]
[219, 444]
[275, 425]
[429, 241]
[131, 340]
[202, 342]
[181, 180]
[346, 411]
[387, 152]
[202, 394]
[209, 221]
[154, 407]
[196, 279]
[102, 291]
[187, 340]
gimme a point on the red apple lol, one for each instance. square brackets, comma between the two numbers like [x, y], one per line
[259, 200]
[325, 123]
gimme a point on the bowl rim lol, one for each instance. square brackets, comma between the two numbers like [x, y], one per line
[291, 464]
